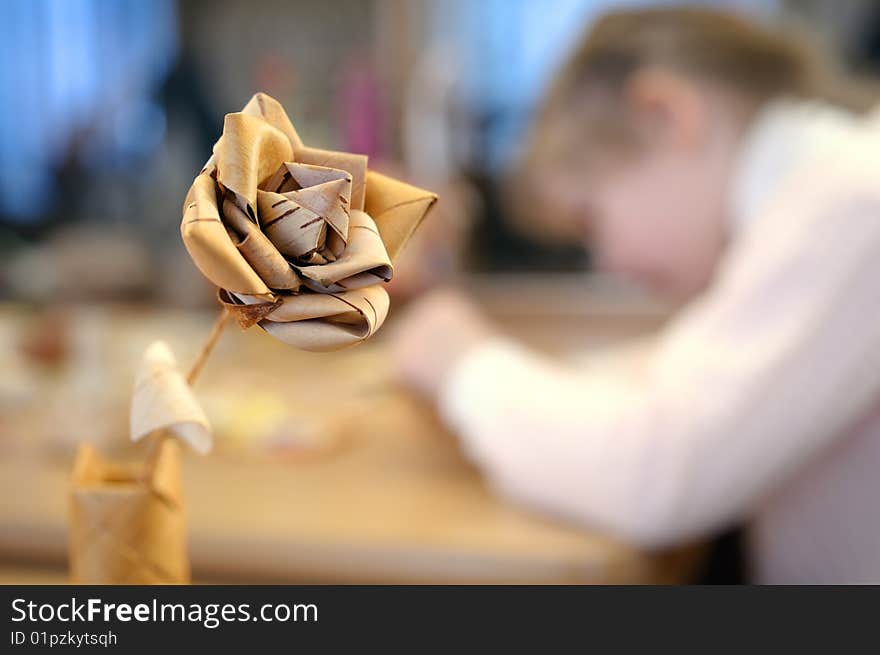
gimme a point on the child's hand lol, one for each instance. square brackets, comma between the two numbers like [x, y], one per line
[433, 336]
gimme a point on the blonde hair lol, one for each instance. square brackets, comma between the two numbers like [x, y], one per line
[758, 63]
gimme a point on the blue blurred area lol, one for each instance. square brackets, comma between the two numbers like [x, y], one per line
[511, 49]
[81, 77]
[112, 106]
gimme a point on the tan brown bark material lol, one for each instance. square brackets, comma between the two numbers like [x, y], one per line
[274, 223]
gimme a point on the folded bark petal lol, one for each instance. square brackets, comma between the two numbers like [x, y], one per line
[328, 321]
[294, 230]
[364, 253]
[247, 155]
[209, 245]
[355, 165]
[397, 208]
[325, 191]
[163, 401]
[271, 111]
[258, 250]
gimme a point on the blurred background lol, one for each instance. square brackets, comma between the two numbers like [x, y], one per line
[111, 108]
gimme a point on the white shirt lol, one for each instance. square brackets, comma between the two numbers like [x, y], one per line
[760, 401]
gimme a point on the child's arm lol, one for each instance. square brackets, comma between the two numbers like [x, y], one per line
[751, 382]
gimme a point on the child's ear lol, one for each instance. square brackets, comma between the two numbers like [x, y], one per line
[668, 107]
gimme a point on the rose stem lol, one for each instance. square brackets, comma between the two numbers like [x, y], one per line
[208, 346]
[194, 371]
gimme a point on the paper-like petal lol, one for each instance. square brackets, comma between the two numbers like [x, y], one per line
[321, 322]
[248, 154]
[162, 400]
[397, 209]
[259, 251]
[209, 245]
[325, 191]
[306, 175]
[354, 165]
[271, 111]
[364, 253]
[358, 281]
[328, 201]
[294, 230]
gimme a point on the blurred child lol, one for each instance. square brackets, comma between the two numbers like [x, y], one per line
[711, 159]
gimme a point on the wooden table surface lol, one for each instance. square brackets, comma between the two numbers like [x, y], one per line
[395, 503]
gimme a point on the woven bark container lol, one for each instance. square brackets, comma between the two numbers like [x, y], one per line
[127, 523]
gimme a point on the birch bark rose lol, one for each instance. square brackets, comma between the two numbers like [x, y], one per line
[299, 240]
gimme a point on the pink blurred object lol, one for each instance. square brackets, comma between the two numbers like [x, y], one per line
[362, 110]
